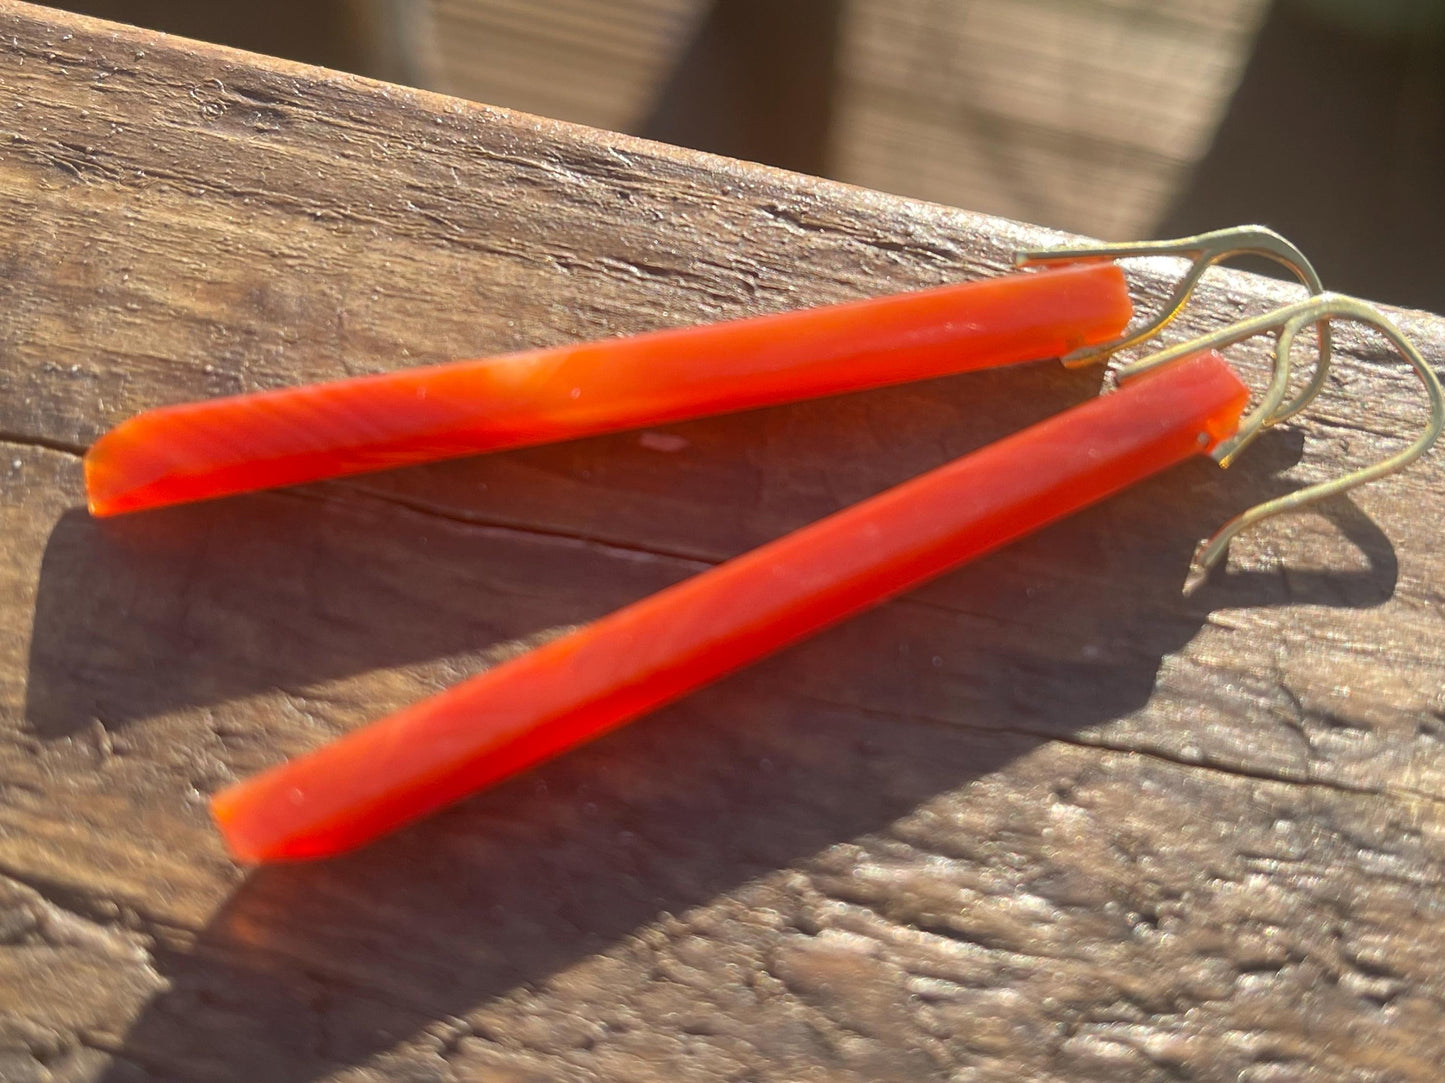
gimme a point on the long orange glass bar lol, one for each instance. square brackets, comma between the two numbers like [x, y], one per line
[232, 445]
[589, 682]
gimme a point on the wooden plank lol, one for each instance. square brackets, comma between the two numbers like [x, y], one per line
[1043, 819]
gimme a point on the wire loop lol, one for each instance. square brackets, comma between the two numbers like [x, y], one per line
[1205, 250]
[1286, 323]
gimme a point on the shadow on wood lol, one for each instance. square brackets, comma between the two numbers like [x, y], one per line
[312, 966]
[198, 605]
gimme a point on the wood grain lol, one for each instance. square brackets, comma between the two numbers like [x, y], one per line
[1044, 819]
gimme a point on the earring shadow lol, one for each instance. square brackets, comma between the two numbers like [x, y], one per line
[308, 968]
[201, 604]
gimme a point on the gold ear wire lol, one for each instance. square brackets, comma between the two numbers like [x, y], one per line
[1286, 323]
[1206, 250]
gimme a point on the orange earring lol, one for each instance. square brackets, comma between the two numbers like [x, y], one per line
[1076, 307]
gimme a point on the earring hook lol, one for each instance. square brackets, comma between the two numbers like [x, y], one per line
[1286, 323]
[1205, 250]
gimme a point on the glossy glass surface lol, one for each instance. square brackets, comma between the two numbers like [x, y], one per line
[233, 445]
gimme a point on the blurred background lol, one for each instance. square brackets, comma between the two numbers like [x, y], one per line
[1114, 118]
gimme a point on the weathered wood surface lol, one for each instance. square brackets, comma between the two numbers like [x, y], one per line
[1044, 819]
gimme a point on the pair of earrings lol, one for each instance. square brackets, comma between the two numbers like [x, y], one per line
[1177, 403]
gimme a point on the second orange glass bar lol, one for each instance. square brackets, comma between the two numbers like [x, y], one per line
[240, 444]
[582, 685]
